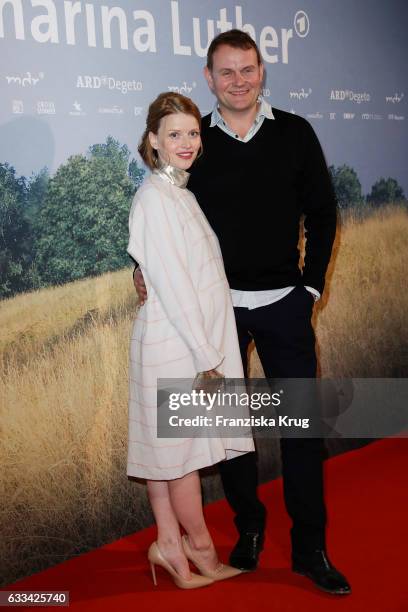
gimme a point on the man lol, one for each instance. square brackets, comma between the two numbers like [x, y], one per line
[262, 169]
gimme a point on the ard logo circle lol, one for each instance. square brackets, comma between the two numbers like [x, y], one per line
[301, 24]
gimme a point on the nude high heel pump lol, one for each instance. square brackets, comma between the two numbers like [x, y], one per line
[156, 558]
[221, 572]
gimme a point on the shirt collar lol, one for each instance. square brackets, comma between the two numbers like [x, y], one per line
[265, 110]
[175, 176]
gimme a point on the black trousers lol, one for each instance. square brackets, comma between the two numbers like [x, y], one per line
[285, 342]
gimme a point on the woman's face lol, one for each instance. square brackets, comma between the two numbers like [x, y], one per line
[177, 141]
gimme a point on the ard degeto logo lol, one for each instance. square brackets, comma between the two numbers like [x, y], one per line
[106, 82]
[25, 80]
[347, 95]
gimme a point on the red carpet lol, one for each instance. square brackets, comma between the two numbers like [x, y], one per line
[367, 539]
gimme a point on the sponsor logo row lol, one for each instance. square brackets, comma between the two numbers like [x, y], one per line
[354, 116]
[111, 83]
[48, 107]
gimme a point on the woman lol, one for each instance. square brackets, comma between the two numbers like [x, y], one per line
[185, 328]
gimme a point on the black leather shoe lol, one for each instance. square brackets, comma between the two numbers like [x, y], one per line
[246, 551]
[321, 572]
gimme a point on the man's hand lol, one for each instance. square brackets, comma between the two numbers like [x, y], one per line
[140, 286]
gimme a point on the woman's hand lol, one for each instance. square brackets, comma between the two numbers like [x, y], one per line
[211, 374]
[209, 381]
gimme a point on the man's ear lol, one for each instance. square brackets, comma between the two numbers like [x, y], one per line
[153, 140]
[208, 77]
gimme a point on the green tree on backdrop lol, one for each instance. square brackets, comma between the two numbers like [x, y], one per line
[37, 186]
[385, 191]
[14, 233]
[117, 154]
[82, 226]
[347, 186]
[136, 174]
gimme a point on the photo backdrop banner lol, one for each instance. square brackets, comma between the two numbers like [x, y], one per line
[76, 79]
[74, 72]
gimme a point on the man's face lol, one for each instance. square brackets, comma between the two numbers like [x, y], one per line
[235, 78]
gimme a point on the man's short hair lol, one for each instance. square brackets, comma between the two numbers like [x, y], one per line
[233, 38]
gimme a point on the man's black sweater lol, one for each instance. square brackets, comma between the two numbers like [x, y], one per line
[254, 193]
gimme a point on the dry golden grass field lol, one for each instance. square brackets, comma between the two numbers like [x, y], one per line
[63, 390]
